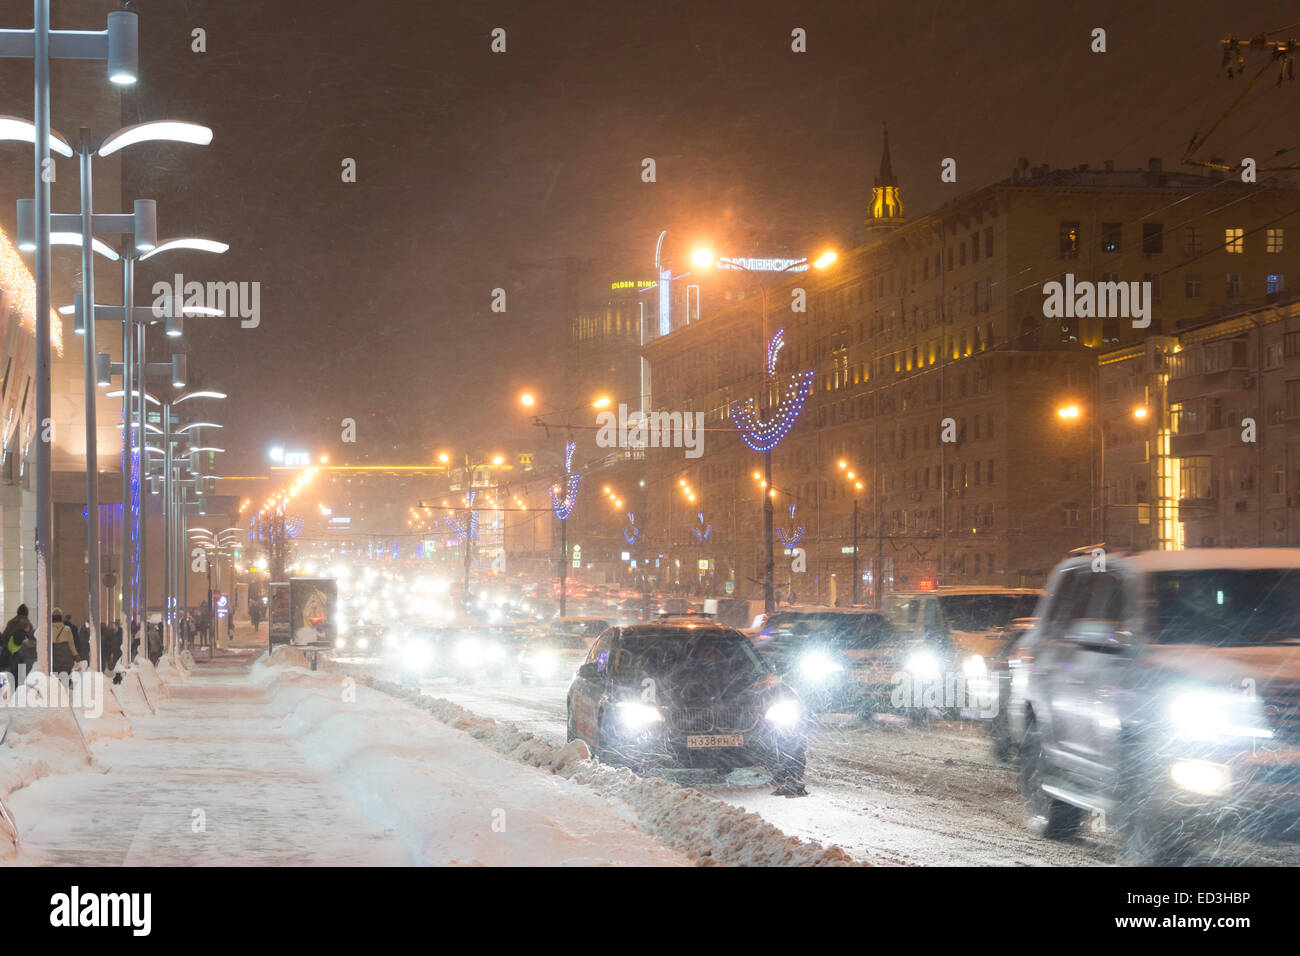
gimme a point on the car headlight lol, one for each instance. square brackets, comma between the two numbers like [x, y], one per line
[1208, 714]
[495, 652]
[785, 713]
[818, 666]
[924, 664]
[468, 653]
[340, 643]
[544, 663]
[418, 655]
[635, 715]
[974, 666]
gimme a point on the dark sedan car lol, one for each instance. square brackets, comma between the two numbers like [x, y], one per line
[686, 695]
[836, 658]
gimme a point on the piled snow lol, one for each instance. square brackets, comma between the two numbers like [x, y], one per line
[110, 721]
[154, 688]
[448, 799]
[173, 670]
[39, 741]
[130, 692]
[707, 831]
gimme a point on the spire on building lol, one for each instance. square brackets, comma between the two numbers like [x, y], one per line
[886, 211]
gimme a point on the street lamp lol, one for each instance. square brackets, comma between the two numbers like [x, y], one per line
[763, 432]
[118, 46]
[1072, 412]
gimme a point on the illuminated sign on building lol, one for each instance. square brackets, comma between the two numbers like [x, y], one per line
[765, 265]
[633, 284]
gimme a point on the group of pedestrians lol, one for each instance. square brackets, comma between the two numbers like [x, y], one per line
[70, 643]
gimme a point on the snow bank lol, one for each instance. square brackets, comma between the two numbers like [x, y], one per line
[707, 831]
[39, 741]
[173, 670]
[154, 688]
[110, 722]
[448, 799]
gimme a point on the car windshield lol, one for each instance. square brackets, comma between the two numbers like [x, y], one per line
[843, 630]
[984, 612]
[1228, 606]
[582, 628]
[559, 642]
[715, 655]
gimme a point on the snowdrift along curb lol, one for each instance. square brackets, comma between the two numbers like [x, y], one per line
[706, 830]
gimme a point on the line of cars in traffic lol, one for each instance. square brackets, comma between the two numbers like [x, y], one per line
[1158, 693]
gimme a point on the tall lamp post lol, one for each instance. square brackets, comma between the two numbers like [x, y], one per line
[852, 476]
[1097, 464]
[87, 148]
[118, 45]
[763, 429]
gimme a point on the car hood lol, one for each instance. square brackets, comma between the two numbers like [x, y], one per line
[1228, 665]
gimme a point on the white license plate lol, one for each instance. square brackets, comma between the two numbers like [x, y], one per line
[863, 676]
[701, 741]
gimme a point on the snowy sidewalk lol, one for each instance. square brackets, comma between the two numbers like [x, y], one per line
[285, 770]
[209, 780]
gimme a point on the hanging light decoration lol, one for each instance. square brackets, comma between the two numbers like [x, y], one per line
[631, 536]
[562, 505]
[467, 527]
[794, 536]
[765, 434]
[702, 535]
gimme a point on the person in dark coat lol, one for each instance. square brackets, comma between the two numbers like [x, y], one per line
[18, 633]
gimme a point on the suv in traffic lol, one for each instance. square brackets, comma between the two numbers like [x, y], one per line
[686, 696]
[836, 658]
[1160, 692]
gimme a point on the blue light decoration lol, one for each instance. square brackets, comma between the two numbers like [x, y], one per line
[702, 535]
[631, 537]
[470, 527]
[794, 537]
[563, 505]
[293, 526]
[765, 434]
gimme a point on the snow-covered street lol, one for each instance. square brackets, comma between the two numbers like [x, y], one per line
[885, 792]
[277, 766]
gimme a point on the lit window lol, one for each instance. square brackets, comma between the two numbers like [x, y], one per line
[1273, 239]
[1234, 240]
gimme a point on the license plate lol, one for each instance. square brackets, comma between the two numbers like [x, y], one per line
[863, 676]
[701, 741]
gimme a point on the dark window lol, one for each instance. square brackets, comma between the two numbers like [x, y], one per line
[1153, 238]
[1110, 236]
[1069, 240]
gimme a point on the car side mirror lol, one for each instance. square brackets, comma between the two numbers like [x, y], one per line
[588, 672]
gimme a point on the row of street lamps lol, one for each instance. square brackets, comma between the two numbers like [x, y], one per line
[38, 229]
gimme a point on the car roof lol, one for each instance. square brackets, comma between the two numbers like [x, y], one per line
[821, 609]
[703, 624]
[1209, 559]
[961, 590]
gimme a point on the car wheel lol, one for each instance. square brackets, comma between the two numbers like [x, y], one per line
[1147, 837]
[789, 766]
[1048, 817]
[1000, 734]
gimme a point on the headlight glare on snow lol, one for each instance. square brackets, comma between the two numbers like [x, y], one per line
[784, 713]
[419, 655]
[923, 664]
[340, 643]
[974, 666]
[1210, 714]
[635, 715]
[818, 666]
[362, 643]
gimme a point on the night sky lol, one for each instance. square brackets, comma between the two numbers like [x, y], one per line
[478, 170]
